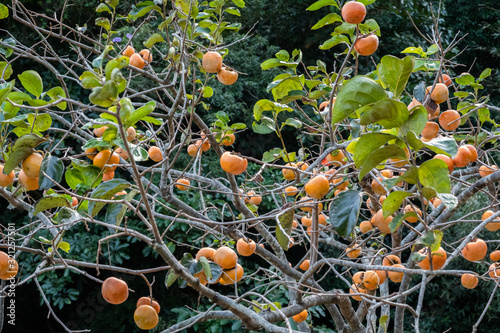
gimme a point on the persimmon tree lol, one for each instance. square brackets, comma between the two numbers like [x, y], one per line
[376, 185]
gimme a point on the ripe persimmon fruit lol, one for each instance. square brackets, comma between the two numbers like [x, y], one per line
[469, 281]
[206, 252]
[390, 260]
[29, 183]
[353, 12]
[228, 139]
[102, 158]
[430, 131]
[211, 62]
[204, 145]
[148, 301]
[245, 248]
[449, 120]
[145, 317]
[366, 46]
[354, 289]
[494, 270]
[475, 250]
[412, 219]
[291, 191]
[463, 157]
[305, 265]
[438, 259]
[192, 150]
[353, 251]
[155, 154]
[370, 280]
[447, 80]
[253, 198]
[336, 158]
[131, 134]
[317, 187]
[365, 226]
[146, 56]
[128, 51]
[227, 76]
[495, 255]
[357, 278]
[8, 266]
[322, 219]
[6, 180]
[231, 276]
[377, 186]
[306, 221]
[108, 176]
[440, 93]
[449, 162]
[300, 317]
[31, 165]
[90, 153]
[382, 276]
[74, 201]
[233, 164]
[308, 208]
[473, 152]
[99, 132]
[182, 184]
[289, 174]
[396, 277]
[491, 226]
[381, 223]
[485, 170]
[225, 257]
[137, 61]
[114, 291]
[122, 153]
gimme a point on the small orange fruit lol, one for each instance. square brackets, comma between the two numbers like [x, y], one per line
[227, 76]
[365, 226]
[412, 219]
[192, 150]
[136, 61]
[449, 120]
[436, 202]
[381, 223]
[108, 176]
[447, 80]
[358, 278]
[317, 187]
[204, 144]
[377, 186]
[495, 255]
[146, 317]
[449, 162]
[353, 12]
[291, 191]
[305, 265]
[366, 46]
[146, 56]
[231, 276]
[396, 277]
[475, 250]
[370, 280]
[225, 257]
[128, 51]
[391, 260]
[494, 270]
[182, 184]
[131, 134]
[99, 132]
[101, 159]
[155, 154]
[90, 153]
[147, 301]
[491, 226]
[228, 139]
[382, 276]
[440, 93]
[74, 201]
[31, 165]
[115, 291]
[309, 202]
[473, 152]
[253, 198]
[486, 170]
[430, 131]
[289, 174]
[298, 318]
[211, 62]
[306, 221]
[438, 259]
[6, 180]
[322, 219]
[353, 251]
[354, 289]
[336, 158]
[463, 157]
[233, 164]
[122, 153]
[469, 281]
[113, 160]
[206, 252]
[29, 184]
[244, 248]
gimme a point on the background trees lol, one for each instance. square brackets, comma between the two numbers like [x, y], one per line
[286, 29]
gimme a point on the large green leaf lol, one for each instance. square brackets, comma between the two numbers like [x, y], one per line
[22, 149]
[380, 155]
[435, 174]
[328, 19]
[388, 113]
[285, 86]
[90, 80]
[116, 211]
[104, 96]
[393, 202]
[446, 146]
[356, 93]
[266, 126]
[54, 168]
[267, 105]
[322, 3]
[416, 121]
[284, 224]
[368, 143]
[140, 113]
[5, 89]
[51, 201]
[32, 82]
[344, 212]
[55, 94]
[106, 191]
[394, 73]
[81, 175]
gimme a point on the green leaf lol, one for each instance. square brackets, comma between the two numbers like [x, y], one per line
[239, 3]
[41, 123]
[54, 168]
[155, 38]
[90, 80]
[415, 50]
[284, 224]
[356, 93]
[388, 113]
[6, 70]
[433, 239]
[67, 215]
[22, 149]
[394, 201]
[266, 126]
[82, 173]
[5, 89]
[267, 105]
[293, 122]
[435, 174]
[51, 201]
[102, 8]
[4, 11]
[485, 74]
[446, 146]
[232, 11]
[410, 176]
[106, 191]
[116, 211]
[465, 79]
[271, 155]
[380, 155]
[140, 113]
[334, 41]
[64, 246]
[369, 142]
[104, 96]
[103, 22]
[322, 3]
[208, 92]
[284, 87]
[328, 19]
[170, 278]
[344, 212]
[118, 63]
[396, 222]
[143, 8]
[32, 82]
[395, 72]
[416, 121]
[55, 94]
